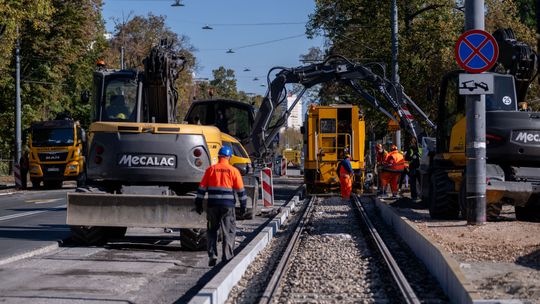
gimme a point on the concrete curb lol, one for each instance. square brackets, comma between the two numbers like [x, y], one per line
[441, 265]
[218, 289]
[30, 254]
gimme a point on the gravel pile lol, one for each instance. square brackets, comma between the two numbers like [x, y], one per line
[333, 262]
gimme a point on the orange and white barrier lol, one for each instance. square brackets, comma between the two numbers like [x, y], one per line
[283, 167]
[267, 187]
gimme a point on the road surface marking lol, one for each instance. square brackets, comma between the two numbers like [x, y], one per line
[42, 201]
[17, 215]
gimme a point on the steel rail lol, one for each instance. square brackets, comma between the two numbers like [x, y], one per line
[284, 263]
[405, 288]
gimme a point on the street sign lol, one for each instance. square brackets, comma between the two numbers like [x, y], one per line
[476, 51]
[476, 84]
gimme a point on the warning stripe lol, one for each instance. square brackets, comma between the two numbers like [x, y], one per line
[267, 194]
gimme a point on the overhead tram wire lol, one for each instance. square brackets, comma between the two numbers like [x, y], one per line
[255, 44]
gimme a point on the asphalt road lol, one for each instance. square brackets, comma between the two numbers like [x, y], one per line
[31, 220]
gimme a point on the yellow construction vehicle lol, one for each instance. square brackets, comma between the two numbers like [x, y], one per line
[56, 152]
[142, 164]
[330, 132]
[323, 138]
[512, 138]
[293, 157]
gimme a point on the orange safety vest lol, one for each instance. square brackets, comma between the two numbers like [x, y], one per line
[395, 161]
[221, 181]
[381, 157]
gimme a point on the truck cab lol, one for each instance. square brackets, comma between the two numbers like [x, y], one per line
[56, 153]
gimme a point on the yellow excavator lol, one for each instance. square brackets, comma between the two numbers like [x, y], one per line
[142, 165]
[512, 138]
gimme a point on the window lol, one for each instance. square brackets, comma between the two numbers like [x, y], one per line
[120, 100]
[239, 151]
[52, 137]
[328, 125]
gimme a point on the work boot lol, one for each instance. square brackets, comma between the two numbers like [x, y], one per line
[212, 262]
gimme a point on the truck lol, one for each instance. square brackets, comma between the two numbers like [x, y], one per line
[56, 153]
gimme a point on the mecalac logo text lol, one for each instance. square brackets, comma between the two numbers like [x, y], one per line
[130, 160]
[527, 137]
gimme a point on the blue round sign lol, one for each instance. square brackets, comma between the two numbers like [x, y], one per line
[476, 51]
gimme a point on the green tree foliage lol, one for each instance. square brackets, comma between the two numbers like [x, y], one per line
[60, 42]
[428, 30]
[224, 83]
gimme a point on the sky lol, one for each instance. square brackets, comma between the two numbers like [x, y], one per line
[262, 33]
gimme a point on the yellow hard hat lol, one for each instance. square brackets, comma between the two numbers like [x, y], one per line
[347, 155]
[121, 116]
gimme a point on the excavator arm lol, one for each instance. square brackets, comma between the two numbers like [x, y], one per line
[161, 69]
[338, 69]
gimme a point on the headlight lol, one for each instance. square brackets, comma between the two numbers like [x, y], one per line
[34, 168]
[72, 167]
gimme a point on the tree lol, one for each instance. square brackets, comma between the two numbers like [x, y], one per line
[224, 83]
[427, 34]
[60, 41]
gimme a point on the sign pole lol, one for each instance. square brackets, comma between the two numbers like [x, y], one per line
[476, 133]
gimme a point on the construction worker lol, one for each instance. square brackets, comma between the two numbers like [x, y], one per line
[412, 156]
[381, 154]
[345, 173]
[392, 170]
[221, 181]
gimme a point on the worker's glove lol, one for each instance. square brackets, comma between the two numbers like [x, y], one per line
[198, 208]
[242, 211]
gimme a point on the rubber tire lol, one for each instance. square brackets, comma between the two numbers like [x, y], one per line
[528, 213]
[89, 236]
[81, 179]
[35, 183]
[193, 239]
[115, 232]
[53, 184]
[442, 203]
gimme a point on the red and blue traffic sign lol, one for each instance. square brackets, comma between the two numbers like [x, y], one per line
[476, 51]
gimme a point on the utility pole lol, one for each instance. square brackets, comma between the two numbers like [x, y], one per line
[18, 140]
[476, 133]
[395, 65]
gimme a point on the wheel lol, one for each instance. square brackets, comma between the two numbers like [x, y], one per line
[52, 184]
[443, 203]
[35, 183]
[193, 239]
[531, 211]
[115, 232]
[81, 179]
[89, 236]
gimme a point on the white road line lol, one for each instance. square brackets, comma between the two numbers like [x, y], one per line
[6, 193]
[17, 215]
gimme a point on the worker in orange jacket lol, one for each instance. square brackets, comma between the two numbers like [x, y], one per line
[345, 173]
[221, 181]
[392, 170]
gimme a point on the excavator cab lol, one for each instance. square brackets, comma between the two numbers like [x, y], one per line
[232, 117]
[117, 96]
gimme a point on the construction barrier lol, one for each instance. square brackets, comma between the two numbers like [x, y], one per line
[283, 167]
[267, 187]
[17, 174]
